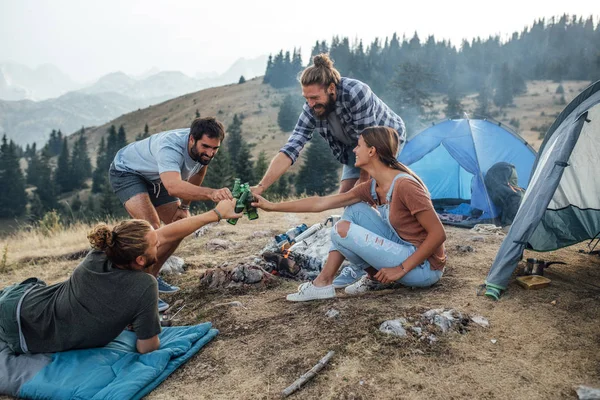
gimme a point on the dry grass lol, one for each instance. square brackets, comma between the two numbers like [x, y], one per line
[542, 350]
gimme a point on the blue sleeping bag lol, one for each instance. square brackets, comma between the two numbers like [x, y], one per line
[116, 371]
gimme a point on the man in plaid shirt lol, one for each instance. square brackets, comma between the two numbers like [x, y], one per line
[338, 109]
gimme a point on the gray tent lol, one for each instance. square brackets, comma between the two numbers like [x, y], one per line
[561, 206]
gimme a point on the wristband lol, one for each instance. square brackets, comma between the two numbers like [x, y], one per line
[218, 214]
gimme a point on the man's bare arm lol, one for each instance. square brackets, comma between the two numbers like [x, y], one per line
[279, 164]
[196, 180]
[189, 192]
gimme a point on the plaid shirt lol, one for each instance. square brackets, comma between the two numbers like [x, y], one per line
[357, 107]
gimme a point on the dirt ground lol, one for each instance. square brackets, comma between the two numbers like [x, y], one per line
[542, 350]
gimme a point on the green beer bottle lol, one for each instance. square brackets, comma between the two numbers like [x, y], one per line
[250, 209]
[237, 188]
[236, 192]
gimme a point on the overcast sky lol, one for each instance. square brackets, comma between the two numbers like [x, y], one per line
[87, 39]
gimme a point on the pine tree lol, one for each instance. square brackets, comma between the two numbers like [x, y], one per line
[320, 172]
[454, 107]
[412, 98]
[121, 139]
[109, 203]
[47, 192]
[288, 114]
[243, 165]
[242, 80]
[100, 175]
[234, 138]
[197, 113]
[33, 167]
[503, 95]
[483, 102]
[261, 165]
[81, 166]
[220, 171]
[63, 169]
[13, 197]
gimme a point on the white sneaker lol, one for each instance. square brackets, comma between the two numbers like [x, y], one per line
[364, 284]
[307, 291]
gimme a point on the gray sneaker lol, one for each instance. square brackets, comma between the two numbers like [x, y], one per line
[348, 276]
[364, 284]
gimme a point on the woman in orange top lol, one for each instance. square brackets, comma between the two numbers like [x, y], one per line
[389, 227]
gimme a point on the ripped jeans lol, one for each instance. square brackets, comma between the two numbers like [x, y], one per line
[371, 242]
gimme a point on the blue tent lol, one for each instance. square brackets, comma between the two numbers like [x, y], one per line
[453, 156]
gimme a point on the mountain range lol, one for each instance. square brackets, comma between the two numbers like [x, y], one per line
[25, 120]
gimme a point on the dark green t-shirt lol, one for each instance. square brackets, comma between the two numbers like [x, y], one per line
[91, 308]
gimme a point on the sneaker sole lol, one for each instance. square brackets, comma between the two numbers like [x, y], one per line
[288, 298]
[169, 291]
[338, 286]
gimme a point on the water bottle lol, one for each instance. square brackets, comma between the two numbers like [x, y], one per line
[281, 238]
[292, 233]
[309, 231]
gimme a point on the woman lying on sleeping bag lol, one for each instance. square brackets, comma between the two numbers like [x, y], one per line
[108, 291]
[389, 227]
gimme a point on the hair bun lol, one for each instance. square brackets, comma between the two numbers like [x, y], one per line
[101, 237]
[323, 60]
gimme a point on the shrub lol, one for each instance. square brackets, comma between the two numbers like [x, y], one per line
[50, 223]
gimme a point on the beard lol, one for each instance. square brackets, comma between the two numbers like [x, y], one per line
[201, 158]
[322, 110]
[150, 261]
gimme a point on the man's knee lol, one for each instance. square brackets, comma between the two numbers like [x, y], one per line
[342, 227]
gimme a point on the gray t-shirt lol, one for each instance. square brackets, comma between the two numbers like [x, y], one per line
[162, 152]
[337, 130]
[91, 308]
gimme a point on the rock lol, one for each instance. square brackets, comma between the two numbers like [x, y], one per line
[494, 341]
[332, 313]
[481, 321]
[443, 319]
[442, 322]
[553, 302]
[478, 239]
[219, 277]
[231, 303]
[487, 229]
[416, 330]
[394, 327]
[247, 274]
[431, 339]
[218, 244]
[464, 249]
[202, 231]
[259, 234]
[173, 265]
[588, 393]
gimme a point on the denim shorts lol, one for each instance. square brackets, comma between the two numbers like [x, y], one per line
[349, 171]
[128, 184]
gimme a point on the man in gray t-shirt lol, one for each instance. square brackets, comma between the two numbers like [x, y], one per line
[157, 178]
[107, 292]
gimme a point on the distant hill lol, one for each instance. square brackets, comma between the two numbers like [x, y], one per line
[26, 121]
[19, 82]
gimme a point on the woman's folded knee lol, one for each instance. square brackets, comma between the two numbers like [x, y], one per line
[354, 209]
[340, 231]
